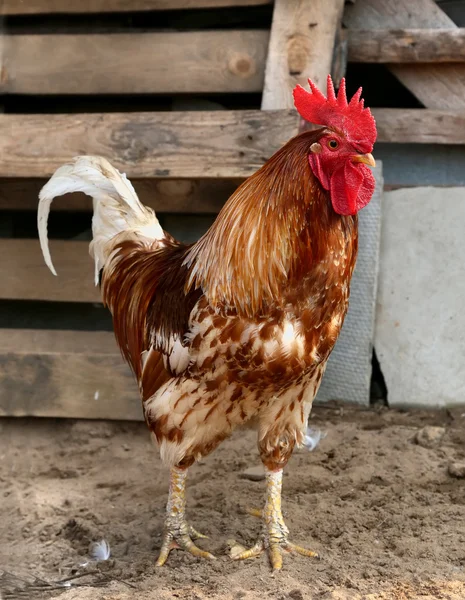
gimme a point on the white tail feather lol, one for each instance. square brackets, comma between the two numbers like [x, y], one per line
[116, 206]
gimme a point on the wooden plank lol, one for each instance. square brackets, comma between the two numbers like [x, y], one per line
[441, 87]
[301, 46]
[44, 341]
[31, 7]
[25, 276]
[187, 145]
[164, 195]
[70, 374]
[407, 45]
[340, 56]
[184, 145]
[134, 63]
[420, 126]
[212, 61]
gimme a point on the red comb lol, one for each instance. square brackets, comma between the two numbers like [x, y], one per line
[351, 118]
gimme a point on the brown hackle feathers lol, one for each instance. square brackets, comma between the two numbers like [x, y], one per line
[262, 234]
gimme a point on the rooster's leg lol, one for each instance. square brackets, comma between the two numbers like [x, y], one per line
[178, 534]
[274, 537]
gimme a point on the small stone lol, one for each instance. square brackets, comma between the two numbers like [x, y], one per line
[235, 548]
[369, 573]
[457, 469]
[429, 437]
[295, 595]
[253, 474]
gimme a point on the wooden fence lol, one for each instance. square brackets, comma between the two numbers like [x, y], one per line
[180, 161]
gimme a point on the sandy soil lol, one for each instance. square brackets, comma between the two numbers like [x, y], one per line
[384, 512]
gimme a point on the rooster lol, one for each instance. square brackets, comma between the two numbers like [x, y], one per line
[235, 329]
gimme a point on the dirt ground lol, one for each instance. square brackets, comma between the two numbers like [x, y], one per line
[385, 513]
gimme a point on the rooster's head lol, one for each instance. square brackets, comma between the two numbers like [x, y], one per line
[340, 157]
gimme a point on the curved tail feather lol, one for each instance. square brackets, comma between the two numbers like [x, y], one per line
[116, 206]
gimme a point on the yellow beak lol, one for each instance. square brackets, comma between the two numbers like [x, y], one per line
[366, 159]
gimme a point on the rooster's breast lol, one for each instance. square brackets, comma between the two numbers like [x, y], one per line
[267, 354]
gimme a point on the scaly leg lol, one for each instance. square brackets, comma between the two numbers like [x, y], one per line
[274, 538]
[178, 534]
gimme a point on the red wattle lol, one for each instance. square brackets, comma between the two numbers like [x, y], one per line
[351, 188]
[315, 164]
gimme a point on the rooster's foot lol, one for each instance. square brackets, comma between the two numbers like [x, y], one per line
[274, 540]
[180, 536]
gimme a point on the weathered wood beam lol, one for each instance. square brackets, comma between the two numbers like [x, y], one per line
[420, 126]
[211, 61]
[184, 145]
[440, 87]
[26, 277]
[31, 7]
[407, 45]
[134, 63]
[164, 195]
[45, 341]
[340, 56]
[69, 374]
[301, 46]
[187, 145]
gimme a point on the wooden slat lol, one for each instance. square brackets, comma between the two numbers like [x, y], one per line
[212, 61]
[134, 63]
[420, 126]
[44, 341]
[30, 7]
[165, 195]
[25, 276]
[71, 374]
[301, 46]
[441, 87]
[407, 45]
[185, 145]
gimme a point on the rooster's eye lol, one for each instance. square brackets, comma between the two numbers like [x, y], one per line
[333, 144]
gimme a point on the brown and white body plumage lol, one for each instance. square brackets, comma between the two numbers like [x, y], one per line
[271, 293]
[235, 329]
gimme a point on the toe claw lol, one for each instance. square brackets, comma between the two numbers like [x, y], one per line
[302, 551]
[276, 557]
[165, 552]
[182, 541]
[196, 535]
[250, 553]
[196, 551]
[274, 539]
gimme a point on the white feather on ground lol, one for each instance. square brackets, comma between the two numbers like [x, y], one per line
[313, 438]
[99, 550]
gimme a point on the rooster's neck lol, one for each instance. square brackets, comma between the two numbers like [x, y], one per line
[276, 228]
